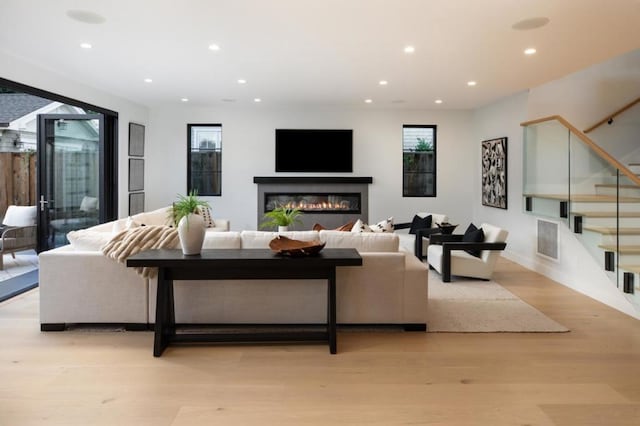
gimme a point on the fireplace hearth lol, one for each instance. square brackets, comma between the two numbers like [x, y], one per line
[328, 201]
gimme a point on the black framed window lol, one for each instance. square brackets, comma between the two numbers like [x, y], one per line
[204, 159]
[419, 160]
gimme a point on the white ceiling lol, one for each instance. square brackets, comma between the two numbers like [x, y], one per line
[317, 52]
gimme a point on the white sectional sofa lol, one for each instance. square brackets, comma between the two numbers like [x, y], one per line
[83, 286]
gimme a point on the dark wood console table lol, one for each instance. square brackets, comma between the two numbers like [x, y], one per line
[230, 264]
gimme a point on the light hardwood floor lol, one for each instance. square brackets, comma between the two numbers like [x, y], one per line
[590, 376]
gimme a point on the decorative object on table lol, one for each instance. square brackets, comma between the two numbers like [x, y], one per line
[191, 225]
[446, 228]
[494, 173]
[344, 228]
[136, 140]
[294, 248]
[281, 217]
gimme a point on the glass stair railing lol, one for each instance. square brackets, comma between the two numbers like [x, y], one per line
[570, 178]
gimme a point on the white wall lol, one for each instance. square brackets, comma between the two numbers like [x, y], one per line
[565, 97]
[20, 71]
[248, 150]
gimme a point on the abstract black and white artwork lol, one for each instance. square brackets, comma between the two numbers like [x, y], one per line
[494, 173]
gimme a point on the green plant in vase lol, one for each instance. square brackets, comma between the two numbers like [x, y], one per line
[190, 222]
[186, 205]
[281, 217]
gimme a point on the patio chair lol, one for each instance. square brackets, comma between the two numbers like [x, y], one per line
[18, 231]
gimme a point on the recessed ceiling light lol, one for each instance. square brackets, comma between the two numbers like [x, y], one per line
[368, 101]
[214, 47]
[409, 49]
[242, 81]
[530, 51]
[185, 99]
[383, 82]
[86, 16]
[148, 80]
[228, 100]
[85, 45]
[530, 24]
[257, 100]
[438, 101]
[471, 83]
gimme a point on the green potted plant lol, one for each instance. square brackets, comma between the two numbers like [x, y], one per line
[190, 223]
[281, 217]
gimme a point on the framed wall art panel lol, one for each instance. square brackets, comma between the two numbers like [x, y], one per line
[136, 140]
[494, 173]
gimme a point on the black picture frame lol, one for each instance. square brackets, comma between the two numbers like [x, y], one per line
[136, 203]
[136, 174]
[136, 140]
[494, 173]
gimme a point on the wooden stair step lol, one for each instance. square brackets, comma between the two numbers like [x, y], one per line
[612, 231]
[630, 268]
[606, 214]
[586, 198]
[634, 249]
[613, 185]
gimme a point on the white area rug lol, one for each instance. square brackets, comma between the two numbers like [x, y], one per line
[475, 306]
[25, 261]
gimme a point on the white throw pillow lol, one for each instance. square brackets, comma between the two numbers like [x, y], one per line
[383, 226]
[87, 240]
[206, 215]
[360, 226]
[89, 204]
[20, 216]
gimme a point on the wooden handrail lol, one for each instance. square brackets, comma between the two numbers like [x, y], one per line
[591, 144]
[610, 116]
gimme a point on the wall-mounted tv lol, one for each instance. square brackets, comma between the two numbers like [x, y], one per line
[314, 151]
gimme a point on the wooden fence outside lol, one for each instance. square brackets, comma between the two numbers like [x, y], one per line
[17, 179]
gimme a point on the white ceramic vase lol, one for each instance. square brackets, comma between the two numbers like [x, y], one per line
[191, 231]
[283, 228]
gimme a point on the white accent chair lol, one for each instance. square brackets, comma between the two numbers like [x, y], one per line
[447, 255]
[18, 231]
[411, 242]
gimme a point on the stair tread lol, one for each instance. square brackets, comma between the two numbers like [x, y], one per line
[613, 231]
[607, 214]
[613, 185]
[588, 198]
[623, 249]
[630, 268]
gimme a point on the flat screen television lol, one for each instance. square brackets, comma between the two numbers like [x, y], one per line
[314, 151]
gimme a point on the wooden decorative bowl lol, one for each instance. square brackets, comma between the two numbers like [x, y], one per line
[295, 248]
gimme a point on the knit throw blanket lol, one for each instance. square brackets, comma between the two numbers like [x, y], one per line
[132, 241]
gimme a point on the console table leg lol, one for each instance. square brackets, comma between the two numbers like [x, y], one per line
[165, 321]
[331, 314]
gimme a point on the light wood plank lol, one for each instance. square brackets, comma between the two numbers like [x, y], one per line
[86, 377]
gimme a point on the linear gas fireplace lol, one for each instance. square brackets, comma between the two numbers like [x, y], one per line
[328, 201]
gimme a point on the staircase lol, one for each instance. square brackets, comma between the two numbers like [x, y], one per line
[571, 177]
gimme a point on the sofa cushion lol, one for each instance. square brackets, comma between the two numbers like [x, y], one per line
[360, 226]
[88, 240]
[473, 235]
[261, 239]
[222, 240]
[206, 215]
[159, 217]
[420, 223]
[363, 242]
[383, 226]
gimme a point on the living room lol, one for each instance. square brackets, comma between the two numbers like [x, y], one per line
[584, 91]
